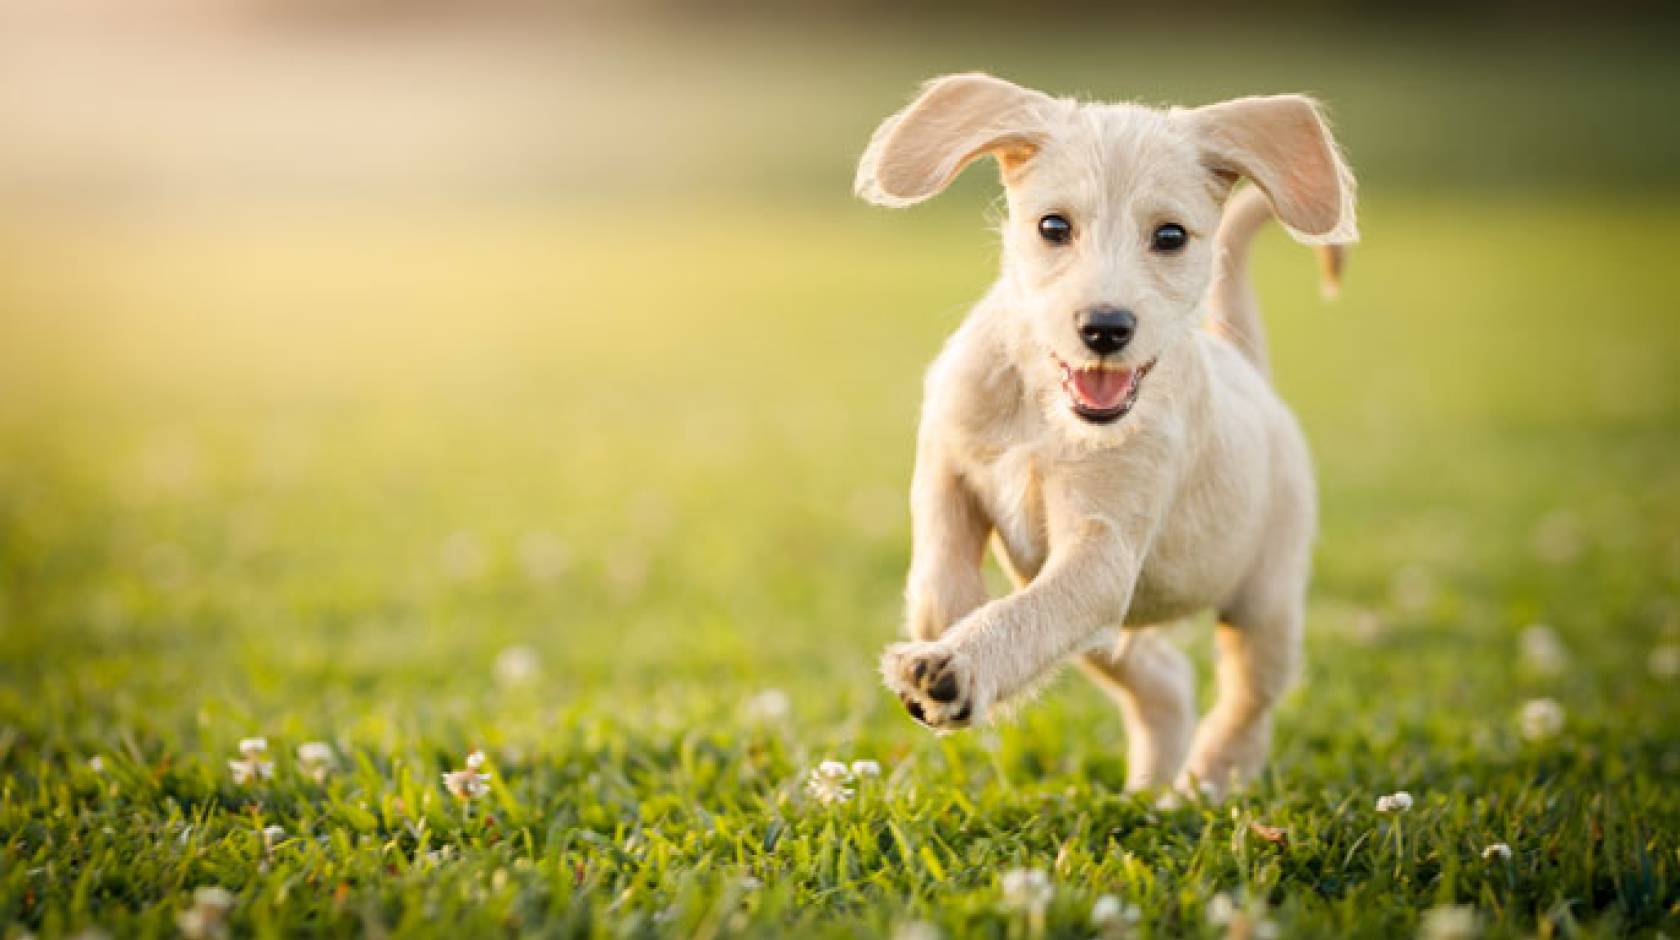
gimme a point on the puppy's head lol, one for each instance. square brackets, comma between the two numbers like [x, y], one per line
[1112, 210]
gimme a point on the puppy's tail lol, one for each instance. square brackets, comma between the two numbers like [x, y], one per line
[1236, 309]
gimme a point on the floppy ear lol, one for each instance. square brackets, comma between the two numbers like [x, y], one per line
[1282, 143]
[956, 119]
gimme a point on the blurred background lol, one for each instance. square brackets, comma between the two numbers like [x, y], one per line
[349, 349]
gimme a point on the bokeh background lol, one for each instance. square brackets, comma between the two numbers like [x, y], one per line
[418, 376]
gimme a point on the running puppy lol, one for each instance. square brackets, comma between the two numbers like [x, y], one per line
[1105, 414]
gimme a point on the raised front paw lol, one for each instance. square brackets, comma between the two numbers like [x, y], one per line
[937, 685]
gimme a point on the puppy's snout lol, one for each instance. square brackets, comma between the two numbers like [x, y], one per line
[1106, 330]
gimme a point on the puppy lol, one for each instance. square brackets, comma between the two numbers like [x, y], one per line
[1105, 417]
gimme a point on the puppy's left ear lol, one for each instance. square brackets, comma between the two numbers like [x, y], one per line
[1283, 144]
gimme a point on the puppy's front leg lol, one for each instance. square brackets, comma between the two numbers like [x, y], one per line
[948, 546]
[1005, 646]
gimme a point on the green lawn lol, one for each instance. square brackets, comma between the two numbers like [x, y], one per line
[244, 502]
[584, 486]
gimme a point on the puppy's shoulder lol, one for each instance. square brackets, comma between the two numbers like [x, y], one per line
[1235, 384]
[972, 377]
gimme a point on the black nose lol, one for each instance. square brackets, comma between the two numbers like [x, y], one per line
[1106, 330]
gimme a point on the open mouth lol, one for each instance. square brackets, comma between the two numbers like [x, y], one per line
[1103, 393]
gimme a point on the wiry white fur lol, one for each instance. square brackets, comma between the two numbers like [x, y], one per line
[1201, 497]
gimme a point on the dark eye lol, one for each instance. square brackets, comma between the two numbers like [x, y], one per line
[1169, 237]
[1057, 230]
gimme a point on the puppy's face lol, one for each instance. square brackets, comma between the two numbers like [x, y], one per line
[1109, 241]
[1108, 245]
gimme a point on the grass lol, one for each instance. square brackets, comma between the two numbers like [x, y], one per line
[311, 478]
[236, 511]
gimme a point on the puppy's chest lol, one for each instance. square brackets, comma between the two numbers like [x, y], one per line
[1009, 484]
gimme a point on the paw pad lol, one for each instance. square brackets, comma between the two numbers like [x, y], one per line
[935, 684]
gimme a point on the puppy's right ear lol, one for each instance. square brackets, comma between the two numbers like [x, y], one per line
[956, 119]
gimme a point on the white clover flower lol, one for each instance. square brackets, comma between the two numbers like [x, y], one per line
[1541, 718]
[96, 764]
[1543, 650]
[1665, 661]
[217, 898]
[316, 752]
[828, 781]
[517, 665]
[1026, 889]
[1452, 922]
[1220, 909]
[468, 784]
[272, 835]
[1105, 911]
[1110, 912]
[915, 930]
[317, 759]
[1249, 923]
[767, 707]
[245, 771]
[1497, 851]
[196, 924]
[866, 768]
[207, 918]
[1397, 802]
[253, 763]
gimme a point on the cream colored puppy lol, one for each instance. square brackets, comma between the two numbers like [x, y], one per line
[1105, 414]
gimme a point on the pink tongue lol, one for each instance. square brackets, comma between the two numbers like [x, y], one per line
[1100, 390]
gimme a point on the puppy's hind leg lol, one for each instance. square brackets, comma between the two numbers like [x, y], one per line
[1259, 651]
[1155, 687]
